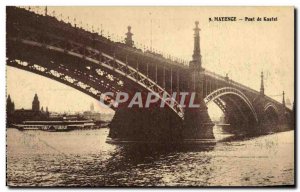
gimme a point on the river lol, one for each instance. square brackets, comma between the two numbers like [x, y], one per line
[83, 158]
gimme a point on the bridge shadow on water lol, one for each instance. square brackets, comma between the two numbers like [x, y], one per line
[241, 137]
[147, 163]
[135, 154]
[149, 149]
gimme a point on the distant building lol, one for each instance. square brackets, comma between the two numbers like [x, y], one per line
[96, 116]
[10, 106]
[10, 109]
[92, 115]
[20, 115]
[35, 103]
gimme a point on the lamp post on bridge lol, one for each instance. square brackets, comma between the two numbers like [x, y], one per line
[226, 77]
[283, 100]
[46, 11]
[262, 87]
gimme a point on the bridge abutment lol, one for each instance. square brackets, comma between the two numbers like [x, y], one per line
[160, 125]
[198, 125]
[145, 125]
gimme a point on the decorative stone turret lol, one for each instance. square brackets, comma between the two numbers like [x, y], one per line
[128, 39]
[196, 62]
[197, 123]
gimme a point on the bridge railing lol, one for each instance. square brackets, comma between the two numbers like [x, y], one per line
[236, 84]
[66, 23]
[230, 82]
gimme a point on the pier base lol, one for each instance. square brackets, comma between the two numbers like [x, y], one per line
[151, 125]
[159, 125]
[198, 125]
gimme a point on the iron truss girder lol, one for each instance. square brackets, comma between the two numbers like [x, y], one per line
[60, 77]
[88, 75]
[220, 104]
[106, 61]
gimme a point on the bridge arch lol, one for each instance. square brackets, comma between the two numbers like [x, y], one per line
[271, 113]
[65, 79]
[101, 59]
[231, 91]
[269, 106]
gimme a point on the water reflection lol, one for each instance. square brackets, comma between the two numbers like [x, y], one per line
[147, 154]
[82, 158]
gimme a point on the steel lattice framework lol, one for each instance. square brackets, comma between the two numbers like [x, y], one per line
[89, 54]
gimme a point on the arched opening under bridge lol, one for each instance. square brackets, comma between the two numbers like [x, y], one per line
[231, 110]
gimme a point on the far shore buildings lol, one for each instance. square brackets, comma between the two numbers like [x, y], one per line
[91, 114]
[19, 115]
[97, 116]
[37, 113]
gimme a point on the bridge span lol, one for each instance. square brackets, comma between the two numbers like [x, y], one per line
[94, 64]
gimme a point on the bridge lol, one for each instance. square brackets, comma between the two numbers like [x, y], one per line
[94, 65]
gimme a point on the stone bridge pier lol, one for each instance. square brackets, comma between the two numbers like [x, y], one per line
[160, 124]
[145, 125]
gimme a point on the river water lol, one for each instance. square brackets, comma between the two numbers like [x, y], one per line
[82, 158]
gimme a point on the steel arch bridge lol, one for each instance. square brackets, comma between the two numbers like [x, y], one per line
[122, 72]
[94, 65]
[219, 93]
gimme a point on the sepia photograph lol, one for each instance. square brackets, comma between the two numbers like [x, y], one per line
[150, 96]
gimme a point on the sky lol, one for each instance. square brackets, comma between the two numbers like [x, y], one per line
[241, 49]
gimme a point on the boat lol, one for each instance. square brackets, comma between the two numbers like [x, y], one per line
[55, 126]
